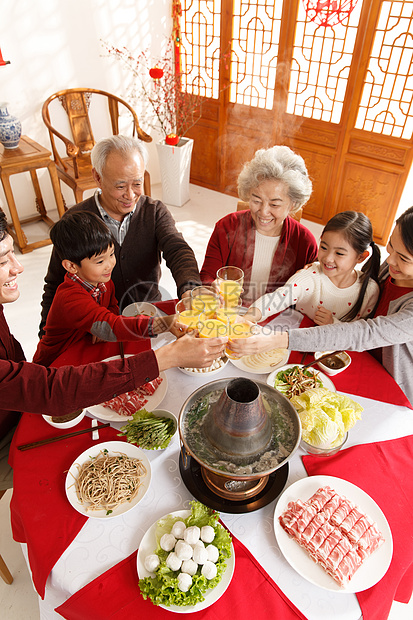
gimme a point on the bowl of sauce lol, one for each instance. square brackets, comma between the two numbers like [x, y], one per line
[334, 364]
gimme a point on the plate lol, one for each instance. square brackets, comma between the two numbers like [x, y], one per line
[149, 544]
[112, 447]
[372, 569]
[108, 415]
[238, 363]
[203, 372]
[326, 381]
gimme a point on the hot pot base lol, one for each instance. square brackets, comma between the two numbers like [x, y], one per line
[193, 476]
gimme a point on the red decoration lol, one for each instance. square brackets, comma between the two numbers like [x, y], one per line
[172, 139]
[328, 12]
[3, 62]
[156, 72]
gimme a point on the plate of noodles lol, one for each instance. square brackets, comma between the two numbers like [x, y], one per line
[125, 465]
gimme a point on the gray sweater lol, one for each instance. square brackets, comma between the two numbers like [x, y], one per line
[393, 333]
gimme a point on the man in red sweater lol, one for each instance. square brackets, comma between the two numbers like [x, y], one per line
[25, 386]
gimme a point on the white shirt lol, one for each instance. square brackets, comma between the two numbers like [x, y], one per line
[264, 251]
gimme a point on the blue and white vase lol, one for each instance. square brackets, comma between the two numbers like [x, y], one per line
[10, 128]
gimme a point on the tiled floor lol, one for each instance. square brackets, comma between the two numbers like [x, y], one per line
[195, 220]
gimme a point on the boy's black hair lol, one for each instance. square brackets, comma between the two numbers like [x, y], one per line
[80, 235]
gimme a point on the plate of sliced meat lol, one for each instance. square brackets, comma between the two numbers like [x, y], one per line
[333, 534]
[122, 407]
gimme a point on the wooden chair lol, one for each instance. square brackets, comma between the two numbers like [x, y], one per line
[242, 206]
[76, 169]
[5, 574]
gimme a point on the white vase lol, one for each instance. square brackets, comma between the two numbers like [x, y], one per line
[10, 128]
[175, 166]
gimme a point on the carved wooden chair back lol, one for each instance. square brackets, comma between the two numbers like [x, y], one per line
[76, 169]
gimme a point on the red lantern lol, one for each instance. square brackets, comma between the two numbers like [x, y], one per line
[328, 12]
[156, 73]
[172, 139]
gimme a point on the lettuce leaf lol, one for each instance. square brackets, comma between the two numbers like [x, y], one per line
[163, 588]
[325, 416]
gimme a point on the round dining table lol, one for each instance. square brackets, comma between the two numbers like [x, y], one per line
[101, 544]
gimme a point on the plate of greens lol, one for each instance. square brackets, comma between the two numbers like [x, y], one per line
[151, 430]
[291, 380]
[161, 584]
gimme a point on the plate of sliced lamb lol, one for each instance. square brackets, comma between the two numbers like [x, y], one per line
[333, 534]
[122, 407]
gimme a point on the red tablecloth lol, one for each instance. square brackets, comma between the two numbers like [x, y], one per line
[41, 516]
[251, 594]
[384, 471]
[364, 377]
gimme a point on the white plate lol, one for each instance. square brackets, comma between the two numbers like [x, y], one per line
[202, 372]
[113, 447]
[238, 363]
[326, 381]
[108, 415]
[148, 546]
[372, 569]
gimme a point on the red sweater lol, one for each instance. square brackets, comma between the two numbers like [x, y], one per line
[35, 389]
[233, 243]
[74, 314]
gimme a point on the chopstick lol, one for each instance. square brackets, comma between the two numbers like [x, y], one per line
[121, 351]
[321, 358]
[43, 442]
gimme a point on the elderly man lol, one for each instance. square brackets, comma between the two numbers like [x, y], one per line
[25, 386]
[143, 228]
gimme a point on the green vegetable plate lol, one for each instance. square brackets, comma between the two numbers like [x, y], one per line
[151, 430]
[162, 591]
[276, 375]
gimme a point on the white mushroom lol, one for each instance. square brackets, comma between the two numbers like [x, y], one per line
[213, 553]
[207, 534]
[178, 529]
[209, 570]
[167, 542]
[151, 562]
[199, 543]
[191, 534]
[183, 550]
[200, 555]
[185, 581]
[173, 562]
[189, 566]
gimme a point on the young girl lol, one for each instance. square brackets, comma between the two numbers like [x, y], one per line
[390, 331]
[332, 290]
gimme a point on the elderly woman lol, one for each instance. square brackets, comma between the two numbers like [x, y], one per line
[268, 244]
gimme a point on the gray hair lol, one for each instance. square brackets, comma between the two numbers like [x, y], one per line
[278, 163]
[124, 145]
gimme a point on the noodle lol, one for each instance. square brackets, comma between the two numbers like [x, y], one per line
[105, 482]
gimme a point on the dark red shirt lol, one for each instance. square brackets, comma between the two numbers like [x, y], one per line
[388, 292]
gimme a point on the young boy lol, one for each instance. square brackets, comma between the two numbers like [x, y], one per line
[85, 302]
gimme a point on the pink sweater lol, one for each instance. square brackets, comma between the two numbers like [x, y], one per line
[74, 314]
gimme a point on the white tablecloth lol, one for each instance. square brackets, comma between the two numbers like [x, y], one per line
[101, 544]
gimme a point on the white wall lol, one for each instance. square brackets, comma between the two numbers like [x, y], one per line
[54, 45]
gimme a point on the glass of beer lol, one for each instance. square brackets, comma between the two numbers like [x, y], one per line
[230, 281]
[205, 298]
[186, 314]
